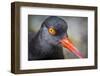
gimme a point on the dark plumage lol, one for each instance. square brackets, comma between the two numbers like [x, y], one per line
[43, 45]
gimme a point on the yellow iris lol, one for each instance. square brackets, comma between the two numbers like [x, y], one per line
[52, 31]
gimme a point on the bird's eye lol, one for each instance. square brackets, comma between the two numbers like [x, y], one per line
[52, 31]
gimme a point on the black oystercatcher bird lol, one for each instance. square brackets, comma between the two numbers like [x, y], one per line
[48, 42]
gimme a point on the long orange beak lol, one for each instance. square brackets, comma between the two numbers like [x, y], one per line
[65, 42]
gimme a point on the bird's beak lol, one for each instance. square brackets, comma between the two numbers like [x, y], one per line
[65, 42]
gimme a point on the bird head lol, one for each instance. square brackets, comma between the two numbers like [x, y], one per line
[54, 31]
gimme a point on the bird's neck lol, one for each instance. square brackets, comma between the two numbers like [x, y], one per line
[41, 41]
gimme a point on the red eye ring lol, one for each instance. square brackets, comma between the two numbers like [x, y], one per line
[52, 31]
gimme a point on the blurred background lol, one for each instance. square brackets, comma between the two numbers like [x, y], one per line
[77, 32]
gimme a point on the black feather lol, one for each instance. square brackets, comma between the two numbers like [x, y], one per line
[39, 45]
